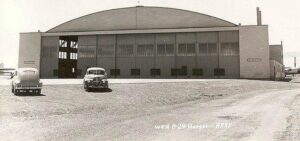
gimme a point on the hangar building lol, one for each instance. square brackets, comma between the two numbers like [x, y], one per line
[151, 42]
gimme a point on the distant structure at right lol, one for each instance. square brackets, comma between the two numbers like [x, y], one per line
[276, 62]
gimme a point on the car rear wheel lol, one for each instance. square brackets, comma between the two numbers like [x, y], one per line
[38, 92]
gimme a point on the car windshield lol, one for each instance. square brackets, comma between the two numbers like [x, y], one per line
[96, 72]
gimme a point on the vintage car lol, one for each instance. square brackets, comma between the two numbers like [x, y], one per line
[95, 78]
[26, 80]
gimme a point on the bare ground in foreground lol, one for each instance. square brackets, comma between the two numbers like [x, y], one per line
[208, 110]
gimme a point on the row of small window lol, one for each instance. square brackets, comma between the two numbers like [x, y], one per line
[64, 44]
[174, 72]
[63, 55]
[210, 49]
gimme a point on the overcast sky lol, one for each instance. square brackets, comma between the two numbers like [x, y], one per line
[283, 18]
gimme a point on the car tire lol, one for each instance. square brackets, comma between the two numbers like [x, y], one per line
[88, 89]
[38, 92]
[15, 92]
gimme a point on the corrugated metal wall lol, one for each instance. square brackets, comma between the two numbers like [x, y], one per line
[86, 53]
[205, 51]
[49, 57]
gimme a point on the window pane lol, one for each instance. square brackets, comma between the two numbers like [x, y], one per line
[169, 49]
[229, 49]
[191, 49]
[149, 50]
[145, 50]
[87, 51]
[235, 48]
[106, 50]
[181, 49]
[62, 43]
[161, 49]
[125, 50]
[212, 48]
[203, 49]
[141, 50]
[225, 49]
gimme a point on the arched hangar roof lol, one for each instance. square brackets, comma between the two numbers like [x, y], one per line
[140, 18]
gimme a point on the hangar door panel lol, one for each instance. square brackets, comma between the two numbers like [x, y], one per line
[49, 57]
[106, 52]
[229, 54]
[207, 58]
[86, 54]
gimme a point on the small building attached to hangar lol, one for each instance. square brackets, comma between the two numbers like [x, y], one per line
[150, 42]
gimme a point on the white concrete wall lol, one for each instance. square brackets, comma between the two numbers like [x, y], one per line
[30, 50]
[254, 52]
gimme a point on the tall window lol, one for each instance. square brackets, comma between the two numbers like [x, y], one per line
[73, 56]
[145, 50]
[106, 50]
[229, 49]
[186, 49]
[63, 43]
[62, 55]
[125, 50]
[87, 51]
[165, 49]
[208, 49]
[73, 44]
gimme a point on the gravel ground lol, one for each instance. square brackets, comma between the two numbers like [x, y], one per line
[204, 110]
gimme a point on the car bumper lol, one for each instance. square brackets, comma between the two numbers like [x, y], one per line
[28, 88]
[97, 84]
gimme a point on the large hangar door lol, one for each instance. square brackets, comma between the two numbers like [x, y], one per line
[67, 57]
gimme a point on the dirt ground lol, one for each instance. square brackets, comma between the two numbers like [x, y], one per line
[204, 110]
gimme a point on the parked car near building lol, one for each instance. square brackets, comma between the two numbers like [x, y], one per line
[95, 78]
[26, 80]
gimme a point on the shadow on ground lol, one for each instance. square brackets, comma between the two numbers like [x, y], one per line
[100, 90]
[29, 94]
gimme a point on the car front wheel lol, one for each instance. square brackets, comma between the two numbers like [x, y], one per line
[15, 92]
